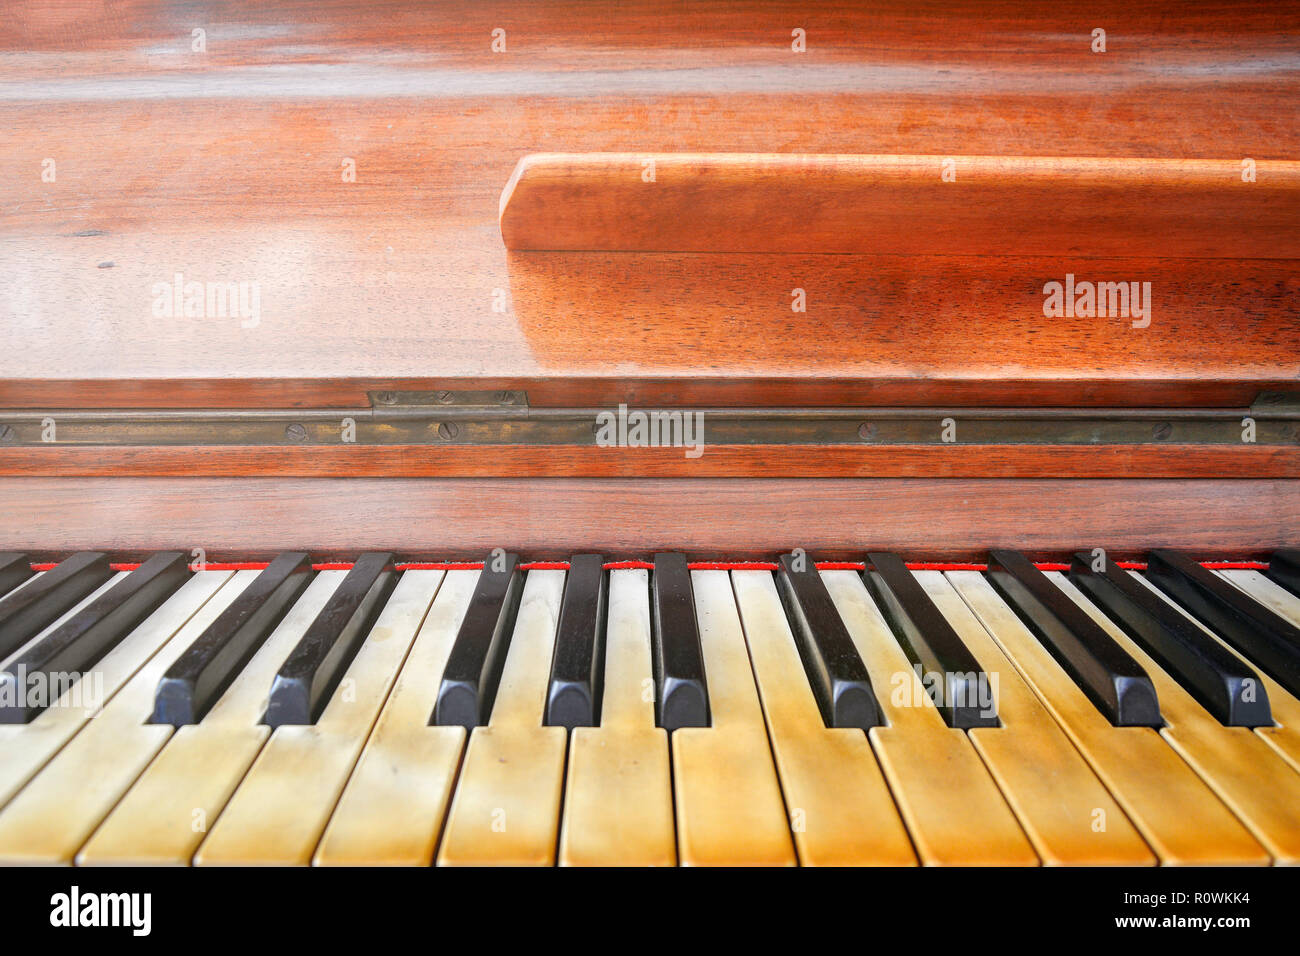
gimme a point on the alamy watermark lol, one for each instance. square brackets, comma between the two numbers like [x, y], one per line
[657, 428]
[44, 689]
[1087, 300]
[208, 300]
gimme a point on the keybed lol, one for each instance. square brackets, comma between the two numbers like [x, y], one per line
[583, 714]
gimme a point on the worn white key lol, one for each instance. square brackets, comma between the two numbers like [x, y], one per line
[729, 806]
[1180, 818]
[1256, 784]
[506, 810]
[28, 747]
[164, 816]
[1284, 736]
[840, 809]
[1066, 812]
[50, 818]
[63, 618]
[618, 799]
[279, 811]
[951, 806]
[392, 808]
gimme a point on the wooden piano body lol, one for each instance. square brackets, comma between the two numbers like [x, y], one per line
[283, 279]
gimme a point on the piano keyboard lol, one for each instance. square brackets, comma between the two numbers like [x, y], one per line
[650, 713]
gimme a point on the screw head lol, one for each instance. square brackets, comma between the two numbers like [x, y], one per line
[295, 432]
[506, 398]
[6, 433]
[1162, 431]
[867, 431]
[448, 430]
[386, 398]
[443, 397]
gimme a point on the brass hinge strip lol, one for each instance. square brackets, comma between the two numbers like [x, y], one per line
[505, 418]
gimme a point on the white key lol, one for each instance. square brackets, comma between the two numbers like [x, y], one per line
[951, 806]
[840, 808]
[1258, 786]
[728, 799]
[1284, 737]
[282, 806]
[392, 808]
[1180, 818]
[506, 809]
[164, 816]
[56, 812]
[618, 800]
[58, 622]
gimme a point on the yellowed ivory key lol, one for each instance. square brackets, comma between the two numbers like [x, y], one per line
[1180, 818]
[1066, 812]
[618, 806]
[392, 808]
[840, 809]
[27, 747]
[506, 810]
[1246, 773]
[728, 799]
[1285, 737]
[951, 807]
[166, 814]
[50, 818]
[281, 808]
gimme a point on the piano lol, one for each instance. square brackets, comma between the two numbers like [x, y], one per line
[650, 434]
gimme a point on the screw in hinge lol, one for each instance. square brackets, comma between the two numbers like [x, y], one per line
[867, 431]
[448, 430]
[444, 397]
[295, 432]
[1162, 431]
[386, 398]
[506, 398]
[6, 433]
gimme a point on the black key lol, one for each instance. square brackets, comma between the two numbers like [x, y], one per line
[1109, 676]
[14, 570]
[79, 642]
[1266, 639]
[1284, 568]
[199, 676]
[930, 641]
[43, 601]
[838, 678]
[1216, 677]
[473, 671]
[578, 667]
[682, 698]
[308, 676]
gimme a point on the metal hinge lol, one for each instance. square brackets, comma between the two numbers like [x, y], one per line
[504, 417]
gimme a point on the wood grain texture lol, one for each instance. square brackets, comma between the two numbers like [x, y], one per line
[718, 461]
[226, 166]
[556, 518]
[901, 205]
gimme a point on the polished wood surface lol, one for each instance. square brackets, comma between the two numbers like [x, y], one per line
[901, 205]
[230, 169]
[718, 461]
[722, 517]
